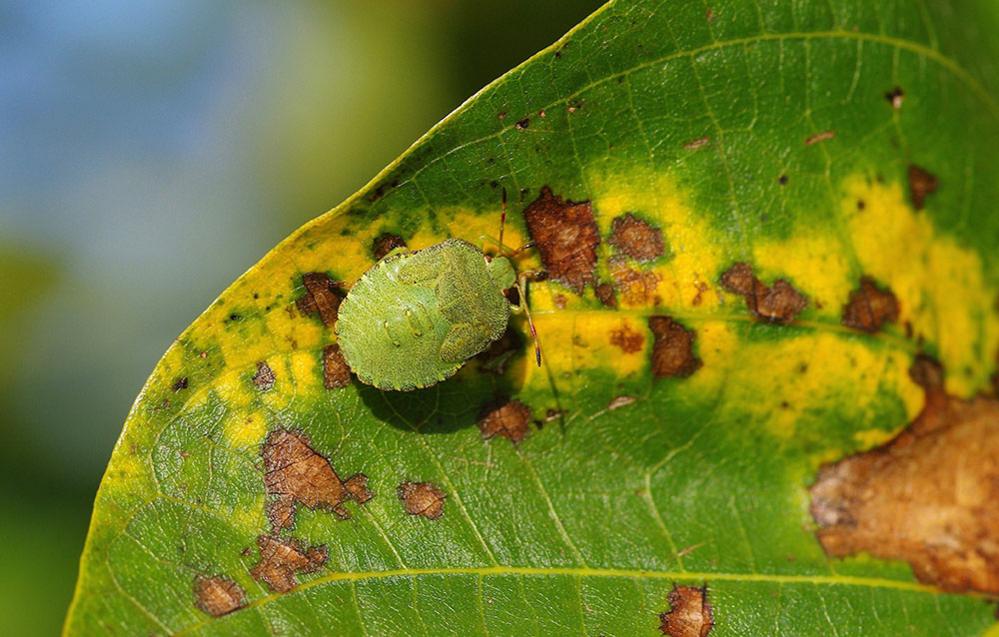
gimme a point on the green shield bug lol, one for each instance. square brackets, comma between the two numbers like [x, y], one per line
[414, 318]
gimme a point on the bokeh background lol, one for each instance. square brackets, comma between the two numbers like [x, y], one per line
[150, 152]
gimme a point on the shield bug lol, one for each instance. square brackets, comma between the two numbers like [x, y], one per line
[414, 318]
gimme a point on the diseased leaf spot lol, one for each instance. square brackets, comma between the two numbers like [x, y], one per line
[820, 137]
[322, 295]
[895, 97]
[636, 238]
[636, 288]
[567, 237]
[870, 307]
[384, 243]
[779, 303]
[605, 294]
[218, 595]
[282, 558]
[382, 189]
[626, 339]
[690, 614]
[421, 498]
[295, 473]
[523, 124]
[180, 383]
[264, 378]
[922, 183]
[930, 496]
[508, 419]
[336, 371]
[782, 180]
[672, 349]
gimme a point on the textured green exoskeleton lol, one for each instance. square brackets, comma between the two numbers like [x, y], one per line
[414, 318]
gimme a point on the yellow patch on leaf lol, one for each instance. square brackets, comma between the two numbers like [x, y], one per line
[940, 285]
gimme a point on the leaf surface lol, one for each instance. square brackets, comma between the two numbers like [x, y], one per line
[672, 434]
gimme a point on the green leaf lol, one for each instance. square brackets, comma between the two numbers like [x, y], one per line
[661, 451]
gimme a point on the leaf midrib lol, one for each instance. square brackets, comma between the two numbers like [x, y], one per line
[590, 572]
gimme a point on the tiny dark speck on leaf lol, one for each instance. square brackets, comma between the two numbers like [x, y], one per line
[895, 97]
[180, 383]
[524, 123]
[782, 180]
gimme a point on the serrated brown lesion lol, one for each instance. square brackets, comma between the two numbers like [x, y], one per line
[567, 237]
[930, 496]
[282, 559]
[870, 307]
[294, 473]
[422, 498]
[264, 378]
[384, 243]
[922, 183]
[672, 348]
[322, 297]
[634, 287]
[627, 339]
[776, 303]
[508, 419]
[218, 595]
[336, 371]
[689, 615]
[636, 238]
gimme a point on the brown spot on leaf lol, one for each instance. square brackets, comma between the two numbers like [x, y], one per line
[820, 137]
[218, 595]
[782, 180]
[700, 142]
[336, 371]
[322, 296]
[922, 183]
[635, 288]
[283, 558]
[509, 419]
[566, 236]
[421, 498]
[386, 242]
[929, 496]
[779, 303]
[522, 124]
[870, 307]
[264, 378]
[180, 383]
[628, 340]
[636, 238]
[605, 294]
[294, 473]
[895, 97]
[672, 349]
[689, 613]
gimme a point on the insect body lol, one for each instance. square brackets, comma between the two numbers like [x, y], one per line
[414, 318]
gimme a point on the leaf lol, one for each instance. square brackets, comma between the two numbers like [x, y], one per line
[667, 446]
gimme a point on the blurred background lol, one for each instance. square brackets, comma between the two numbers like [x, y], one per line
[152, 151]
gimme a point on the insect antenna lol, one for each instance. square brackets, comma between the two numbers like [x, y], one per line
[522, 291]
[502, 223]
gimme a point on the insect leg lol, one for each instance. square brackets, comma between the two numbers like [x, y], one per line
[522, 291]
